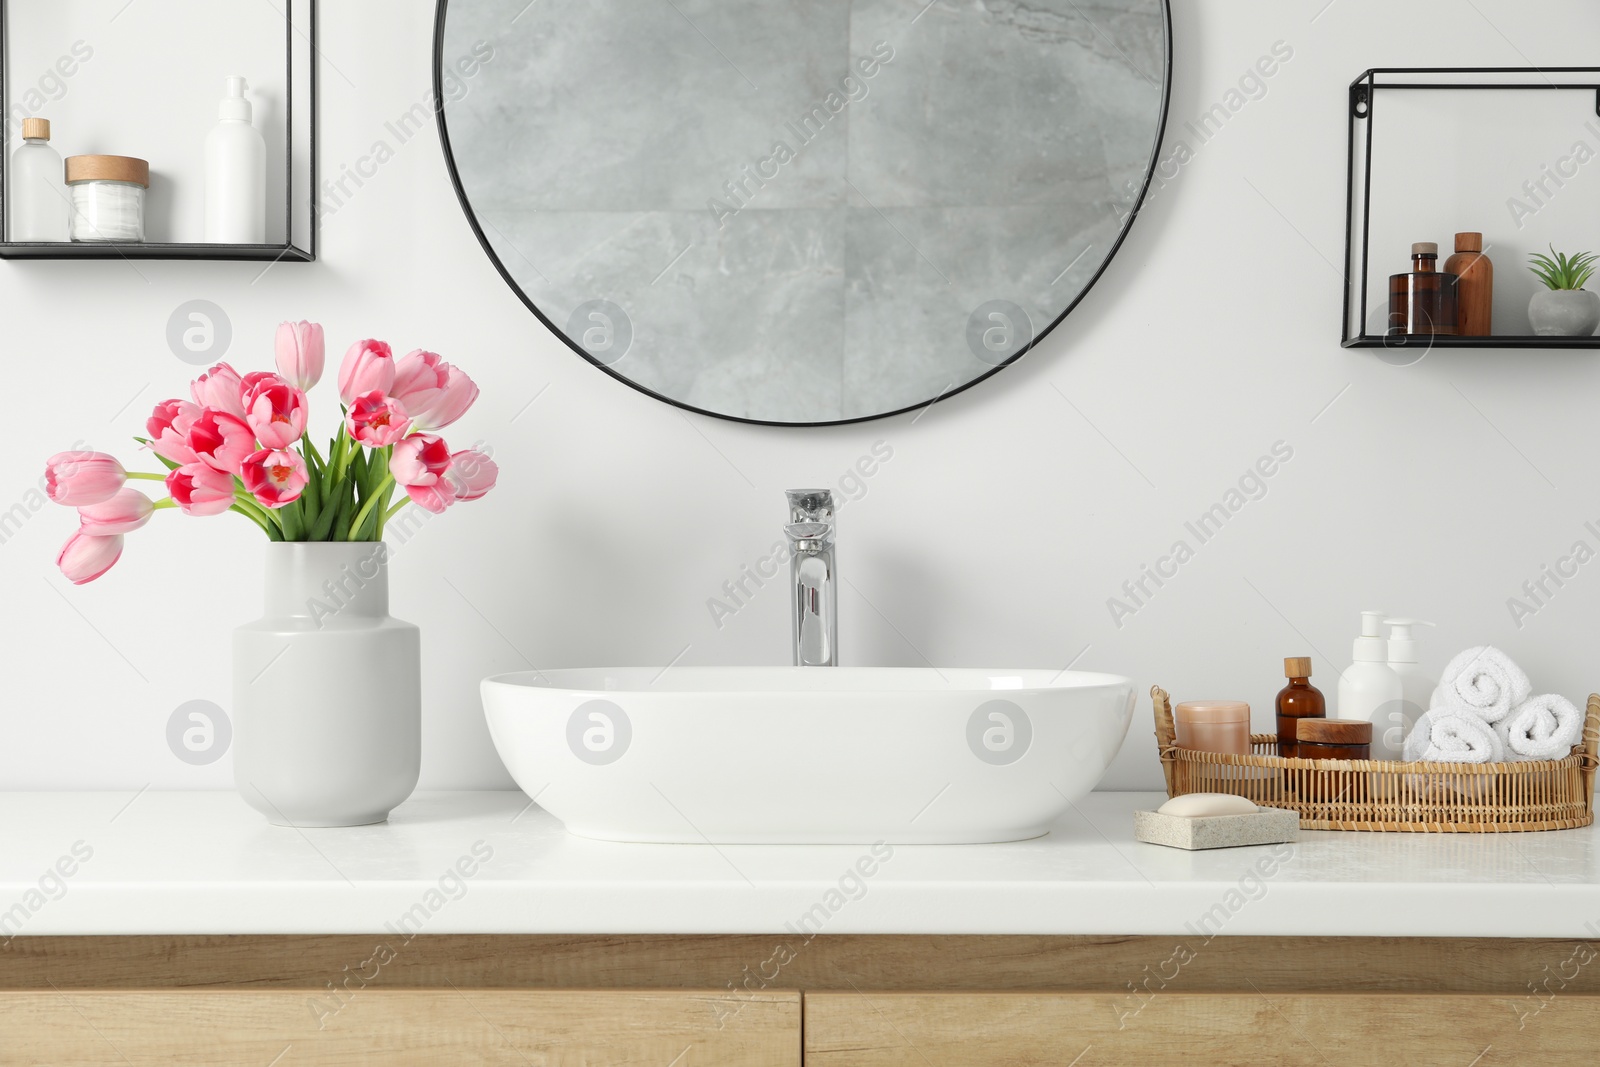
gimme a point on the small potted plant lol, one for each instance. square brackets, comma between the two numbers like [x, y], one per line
[1564, 308]
[327, 686]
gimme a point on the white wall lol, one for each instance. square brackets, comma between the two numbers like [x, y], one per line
[994, 535]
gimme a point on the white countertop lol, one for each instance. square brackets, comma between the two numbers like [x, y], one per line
[204, 863]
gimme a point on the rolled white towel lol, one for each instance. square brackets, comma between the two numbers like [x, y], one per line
[1484, 682]
[1445, 735]
[1541, 727]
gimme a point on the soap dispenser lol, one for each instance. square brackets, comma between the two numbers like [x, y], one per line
[236, 173]
[1370, 690]
[1416, 685]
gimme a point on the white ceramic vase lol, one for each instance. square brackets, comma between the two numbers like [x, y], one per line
[1564, 312]
[326, 690]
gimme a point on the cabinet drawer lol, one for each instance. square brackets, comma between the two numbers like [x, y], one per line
[412, 1026]
[1196, 1029]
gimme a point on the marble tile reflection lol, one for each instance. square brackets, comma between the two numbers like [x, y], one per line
[646, 105]
[799, 206]
[917, 275]
[747, 320]
[998, 102]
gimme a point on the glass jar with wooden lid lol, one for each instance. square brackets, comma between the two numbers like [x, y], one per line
[1334, 738]
[107, 197]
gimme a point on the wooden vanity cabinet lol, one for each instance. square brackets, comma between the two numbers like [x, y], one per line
[837, 1001]
[425, 1027]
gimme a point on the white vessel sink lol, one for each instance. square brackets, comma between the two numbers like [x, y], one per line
[807, 754]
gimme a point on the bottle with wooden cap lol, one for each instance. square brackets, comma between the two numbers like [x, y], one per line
[1422, 302]
[38, 209]
[1297, 700]
[1334, 738]
[1475, 288]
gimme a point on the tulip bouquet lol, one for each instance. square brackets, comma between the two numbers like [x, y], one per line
[240, 445]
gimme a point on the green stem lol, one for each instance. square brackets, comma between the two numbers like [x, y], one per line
[311, 450]
[398, 507]
[346, 452]
[162, 505]
[383, 511]
[253, 519]
[366, 508]
[242, 501]
[141, 475]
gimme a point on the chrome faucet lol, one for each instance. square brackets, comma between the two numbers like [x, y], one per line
[814, 607]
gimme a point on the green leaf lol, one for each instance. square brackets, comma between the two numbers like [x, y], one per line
[1564, 271]
[369, 525]
[323, 527]
[289, 516]
[311, 498]
[341, 524]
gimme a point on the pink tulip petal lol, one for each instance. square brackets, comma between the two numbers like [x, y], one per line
[86, 557]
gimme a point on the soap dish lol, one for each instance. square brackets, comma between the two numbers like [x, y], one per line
[1264, 827]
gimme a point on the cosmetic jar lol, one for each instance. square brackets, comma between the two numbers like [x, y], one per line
[1334, 739]
[1213, 726]
[107, 197]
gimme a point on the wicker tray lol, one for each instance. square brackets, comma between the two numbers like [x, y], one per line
[1393, 795]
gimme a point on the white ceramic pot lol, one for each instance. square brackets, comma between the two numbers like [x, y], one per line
[1564, 312]
[326, 690]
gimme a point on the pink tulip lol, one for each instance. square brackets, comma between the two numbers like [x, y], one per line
[168, 427]
[200, 490]
[375, 420]
[253, 379]
[275, 410]
[434, 392]
[420, 459]
[368, 367]
[86, 557]
[434, 498]
[472, 473]
[219, 388]
[300, 352]
[124, 513]
[79, 478]
[275, 478]
[221, 441]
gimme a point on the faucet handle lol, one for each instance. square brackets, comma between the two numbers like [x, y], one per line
[810, 537]
[810, 505]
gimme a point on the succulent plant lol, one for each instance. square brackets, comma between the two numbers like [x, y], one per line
[1563, 272]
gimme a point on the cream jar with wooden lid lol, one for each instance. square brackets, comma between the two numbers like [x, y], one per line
[107, 197]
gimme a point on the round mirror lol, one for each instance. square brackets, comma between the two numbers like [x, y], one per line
[808, 211]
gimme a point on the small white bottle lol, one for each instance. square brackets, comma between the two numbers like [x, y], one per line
[1416, 684]
[1370, 690]
[39, 206]
[236, 173]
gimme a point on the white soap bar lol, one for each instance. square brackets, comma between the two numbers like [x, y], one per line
[1194, 805]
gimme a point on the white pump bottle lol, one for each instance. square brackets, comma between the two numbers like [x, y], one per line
[236, 173]
[1416, 684]
[1369, 689]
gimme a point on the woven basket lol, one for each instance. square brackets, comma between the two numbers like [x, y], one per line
[1393, 795]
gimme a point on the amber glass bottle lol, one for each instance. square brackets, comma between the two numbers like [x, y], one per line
[1475, 289]
[1297, 700]
[1424, 301]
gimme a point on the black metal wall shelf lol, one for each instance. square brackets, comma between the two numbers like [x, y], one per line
[299, 166]
[288, 253]
[1365, 94]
